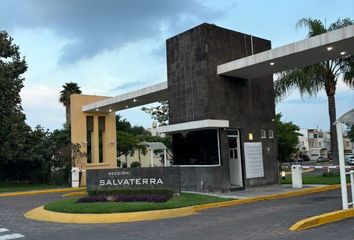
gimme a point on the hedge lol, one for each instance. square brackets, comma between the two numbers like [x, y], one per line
[131, 191]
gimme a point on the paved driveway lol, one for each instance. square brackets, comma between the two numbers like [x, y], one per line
[262, 220]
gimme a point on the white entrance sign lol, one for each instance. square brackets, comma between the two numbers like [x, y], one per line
[253, 159]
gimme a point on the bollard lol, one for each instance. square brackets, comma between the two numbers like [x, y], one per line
[75, 175]
[296, 176]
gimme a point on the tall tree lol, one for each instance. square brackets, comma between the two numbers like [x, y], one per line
[325, 75]
[13, 129]
[68, 89]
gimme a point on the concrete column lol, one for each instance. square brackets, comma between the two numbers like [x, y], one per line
[343, 180]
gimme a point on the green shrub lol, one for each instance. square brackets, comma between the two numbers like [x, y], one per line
[59, 177]
[131, 191]
[135, 164]
[330, 174]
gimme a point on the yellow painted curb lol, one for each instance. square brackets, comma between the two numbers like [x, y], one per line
[44, 191]
[44, 215]
[322, 219]
[75, 194]
[266, 197]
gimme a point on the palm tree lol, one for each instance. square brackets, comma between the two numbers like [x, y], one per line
[325, 75]
[68, 89]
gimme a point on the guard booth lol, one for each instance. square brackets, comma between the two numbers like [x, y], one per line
[222, 126]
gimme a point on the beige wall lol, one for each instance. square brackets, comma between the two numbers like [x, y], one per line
[78, 134]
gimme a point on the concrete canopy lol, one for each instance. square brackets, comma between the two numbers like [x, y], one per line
[194, 125]
[299, 54]
[347, 118]
[154, 93]
[327, 46]
[154, 145]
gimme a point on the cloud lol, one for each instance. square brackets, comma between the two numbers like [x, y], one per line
[41, 106]
[40, 95]
[94, 26]
[129, 85]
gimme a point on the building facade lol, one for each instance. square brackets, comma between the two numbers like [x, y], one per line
[317, 143]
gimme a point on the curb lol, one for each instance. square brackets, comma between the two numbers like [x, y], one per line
[266, 197]
[322, 219]
[44, 215]
[75, 194]
[35, 192]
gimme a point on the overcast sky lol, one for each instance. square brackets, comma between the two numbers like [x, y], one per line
[111, 47]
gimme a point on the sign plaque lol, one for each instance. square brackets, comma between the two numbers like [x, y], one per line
[140, 178]
[253, 159]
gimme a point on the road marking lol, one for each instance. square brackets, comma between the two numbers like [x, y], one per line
[3, 230]
[11, 236]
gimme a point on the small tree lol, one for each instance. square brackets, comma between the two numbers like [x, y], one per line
[126, 144]
[159, 113]
[287, 138]
[77, 155]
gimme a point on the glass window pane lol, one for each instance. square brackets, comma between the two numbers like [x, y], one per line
[232, 132]
[270, 133]
[196, 148]
[232, 142]
[263, 134]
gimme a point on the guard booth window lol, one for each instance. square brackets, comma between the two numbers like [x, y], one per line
[196, 148]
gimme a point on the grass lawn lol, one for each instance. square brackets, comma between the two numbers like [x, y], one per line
[18, 186]
[314, 179]
[184, 200]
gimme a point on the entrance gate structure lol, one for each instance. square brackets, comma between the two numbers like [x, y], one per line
[219, 82]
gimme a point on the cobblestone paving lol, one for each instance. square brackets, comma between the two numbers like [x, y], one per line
[262, 220]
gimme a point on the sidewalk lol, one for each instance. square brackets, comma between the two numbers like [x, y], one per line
[267, 190]
[251, 192]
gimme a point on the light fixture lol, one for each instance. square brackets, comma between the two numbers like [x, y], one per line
[250, 136]
[110, 110]
[283, 175]
[271, 63]
[342, 53]
[126, 106]
[134, 100]
[329, 48]
[97, 109]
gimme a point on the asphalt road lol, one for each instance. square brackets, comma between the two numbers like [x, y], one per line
[262, 220]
